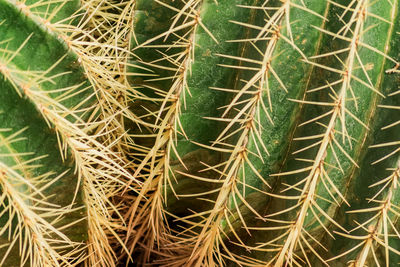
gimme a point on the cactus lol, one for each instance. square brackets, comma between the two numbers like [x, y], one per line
[264, 116]
[199, 133]
[58, 162]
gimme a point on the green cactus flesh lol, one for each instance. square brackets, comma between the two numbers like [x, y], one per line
[52, 166]
[37, 185]
[199, 133]
[261, 134]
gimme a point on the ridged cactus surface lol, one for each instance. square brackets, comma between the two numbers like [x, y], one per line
[199, 133]
[37, 185]
[58, 164]
[264, 116]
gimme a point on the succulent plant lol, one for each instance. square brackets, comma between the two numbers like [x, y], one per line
[266, 116]
[199, 133]
[60, 164]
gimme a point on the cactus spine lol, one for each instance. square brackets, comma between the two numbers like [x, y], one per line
[199, 133]
[43, 44]
[294, 126]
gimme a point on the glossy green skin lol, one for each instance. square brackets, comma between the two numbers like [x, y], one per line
[296, 75]
[367, 104]
[152, 20]
[205, 73]
[367, 109]
[369, 174]
[287, 115]
[40, 53]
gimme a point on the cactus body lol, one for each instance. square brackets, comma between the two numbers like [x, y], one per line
[289, 137]
[37, 184]
[56, 167]
[199, 133]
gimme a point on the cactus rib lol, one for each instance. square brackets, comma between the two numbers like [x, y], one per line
[338, 113]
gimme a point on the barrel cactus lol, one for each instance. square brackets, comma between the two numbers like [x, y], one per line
[266, 117]
[199, 133]
[60, 161]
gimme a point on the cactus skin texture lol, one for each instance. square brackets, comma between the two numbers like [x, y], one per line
[264, 120]
[37, 185]
[199, 133]
[57, 162]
